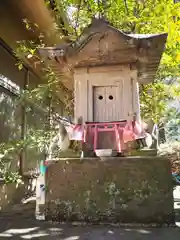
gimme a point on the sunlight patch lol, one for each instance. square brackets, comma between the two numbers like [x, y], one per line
[72, 238]
[5, 235]
[35, 235]
[21, 231]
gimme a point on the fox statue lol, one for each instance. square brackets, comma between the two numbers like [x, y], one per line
[63, 137]
[61, 140]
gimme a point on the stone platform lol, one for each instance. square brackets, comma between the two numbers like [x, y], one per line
[121, 189]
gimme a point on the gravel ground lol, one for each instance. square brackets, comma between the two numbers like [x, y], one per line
[21, 228]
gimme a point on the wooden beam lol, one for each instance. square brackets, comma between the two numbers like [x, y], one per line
[23, 127]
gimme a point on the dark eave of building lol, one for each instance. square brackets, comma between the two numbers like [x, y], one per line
[12, 28]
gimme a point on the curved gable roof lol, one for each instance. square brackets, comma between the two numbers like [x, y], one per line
[149, 47]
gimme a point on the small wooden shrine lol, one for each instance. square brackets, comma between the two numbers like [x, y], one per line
[107, 67]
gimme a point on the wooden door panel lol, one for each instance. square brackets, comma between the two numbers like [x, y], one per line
[106, 103]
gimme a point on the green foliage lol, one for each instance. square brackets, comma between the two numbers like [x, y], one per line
[172, 150]
[9, 151]
[12, 177]
[173, 125]
[153, 100]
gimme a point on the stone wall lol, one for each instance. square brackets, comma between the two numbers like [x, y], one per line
[127, 190]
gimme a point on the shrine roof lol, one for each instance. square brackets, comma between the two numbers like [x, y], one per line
[145, 50]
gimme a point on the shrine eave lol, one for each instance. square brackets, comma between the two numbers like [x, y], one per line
[149, 49]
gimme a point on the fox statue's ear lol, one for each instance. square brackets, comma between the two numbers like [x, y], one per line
[80, 120]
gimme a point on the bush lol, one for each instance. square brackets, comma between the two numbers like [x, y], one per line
[172, 150]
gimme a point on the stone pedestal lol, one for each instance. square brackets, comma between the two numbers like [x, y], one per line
[124, 190]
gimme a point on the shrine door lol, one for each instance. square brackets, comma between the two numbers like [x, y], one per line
[106, 103]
